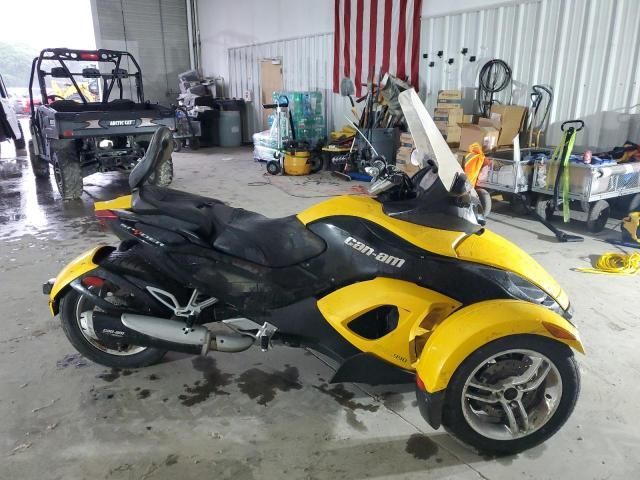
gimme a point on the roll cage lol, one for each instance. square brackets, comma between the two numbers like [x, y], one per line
[101, 56]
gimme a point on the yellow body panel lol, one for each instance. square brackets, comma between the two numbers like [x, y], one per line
[442, 242]
[76, 267]
[419, 310]
[471, 327]
[492, 249]
[121, 203]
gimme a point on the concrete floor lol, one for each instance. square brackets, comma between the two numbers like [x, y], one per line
[268, 416]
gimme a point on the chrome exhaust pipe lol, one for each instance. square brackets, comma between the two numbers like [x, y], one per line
[147, 331]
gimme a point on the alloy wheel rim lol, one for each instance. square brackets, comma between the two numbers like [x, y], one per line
[81, 307]
[512, 394]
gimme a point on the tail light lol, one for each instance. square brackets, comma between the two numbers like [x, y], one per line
[420, 383]
[88, 56]
[93, 282]
[105, 215]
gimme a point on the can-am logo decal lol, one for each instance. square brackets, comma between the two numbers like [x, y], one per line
[370, 252]
[121, 123]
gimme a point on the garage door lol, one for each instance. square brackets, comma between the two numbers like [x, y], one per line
[155, 32]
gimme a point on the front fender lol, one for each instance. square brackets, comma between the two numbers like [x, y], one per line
[77, 267]
[471, 327]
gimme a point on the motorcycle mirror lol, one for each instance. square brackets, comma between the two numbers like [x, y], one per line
[428, 139]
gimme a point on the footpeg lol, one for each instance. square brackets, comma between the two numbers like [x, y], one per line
[264, 335]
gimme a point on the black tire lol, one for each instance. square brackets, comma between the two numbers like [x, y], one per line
[39, 166]
[634, 204]
[558, 353]
[485, 201]
[177, 144]
[273, 167]
[317, 163]
[521, 203]
[67, 171]
[20, 143]
[598, 216]
[71, 328]
[163, 175]
[541, 208]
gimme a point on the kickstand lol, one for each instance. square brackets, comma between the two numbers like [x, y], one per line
[562, 237]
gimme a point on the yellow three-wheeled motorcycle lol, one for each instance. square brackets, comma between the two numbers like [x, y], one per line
[404, 284]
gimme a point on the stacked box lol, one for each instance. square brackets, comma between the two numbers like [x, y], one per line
[403, 155]
[307, 110]
[449, 114]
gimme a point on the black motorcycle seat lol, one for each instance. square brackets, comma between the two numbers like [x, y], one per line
[278, 242]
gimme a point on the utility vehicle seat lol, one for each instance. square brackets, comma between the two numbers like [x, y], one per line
[237, 232]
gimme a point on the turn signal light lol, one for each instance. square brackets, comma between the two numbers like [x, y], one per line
[558, 332]
[420, 383]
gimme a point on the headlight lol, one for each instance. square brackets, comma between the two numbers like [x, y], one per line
[525, 290]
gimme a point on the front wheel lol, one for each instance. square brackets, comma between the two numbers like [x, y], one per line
[72, 305]
[512, 394]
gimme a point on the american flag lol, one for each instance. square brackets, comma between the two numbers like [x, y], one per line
[373, 37]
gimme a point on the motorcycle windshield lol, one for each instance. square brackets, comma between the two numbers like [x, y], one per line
[428, 140]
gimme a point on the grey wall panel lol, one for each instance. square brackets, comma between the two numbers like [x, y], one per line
[155, 32]
[585, 49]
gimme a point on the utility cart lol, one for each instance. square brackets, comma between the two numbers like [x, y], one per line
[591, 190]
[83, 134]
[504, 173]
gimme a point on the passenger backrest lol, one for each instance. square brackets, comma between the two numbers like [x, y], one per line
[159, 151]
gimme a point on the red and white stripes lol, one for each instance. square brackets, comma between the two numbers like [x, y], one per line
[373, 36]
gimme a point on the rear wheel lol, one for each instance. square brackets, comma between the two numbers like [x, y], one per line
[20, 143]
[541, 208]
[163, 175]
[67, 171]
[485, 201]
[598, 216]
[521, 203]
[39, 166]
[512, 394]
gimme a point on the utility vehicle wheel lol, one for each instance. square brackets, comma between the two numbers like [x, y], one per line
[177, 144]
[512, 394]
[73, 304]
[541, 208]
[39, 166]
[598, 216]
[163, 175]
[20, 143]
[194, 143]
[521, 203]
[485, 201]
[273, 167]
[67, 171]
[634, 204]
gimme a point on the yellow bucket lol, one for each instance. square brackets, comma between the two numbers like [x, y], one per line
[297, 163]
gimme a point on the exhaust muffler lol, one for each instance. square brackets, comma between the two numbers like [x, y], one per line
[147, 331]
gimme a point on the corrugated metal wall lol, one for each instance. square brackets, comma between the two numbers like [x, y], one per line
[587, 50]
[307, 64]
[153, 31]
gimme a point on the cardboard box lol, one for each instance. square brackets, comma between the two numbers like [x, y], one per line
[408, 168]
[406, 140]
[403, 155]
[512, 119]
[467, 119]
[452, 116]
[446, 96]
[449, 99]
[453, 134]
[485, 135]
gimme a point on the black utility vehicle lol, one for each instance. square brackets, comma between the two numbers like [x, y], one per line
[89, 132]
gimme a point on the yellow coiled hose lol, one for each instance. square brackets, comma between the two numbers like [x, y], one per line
[616, 263]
